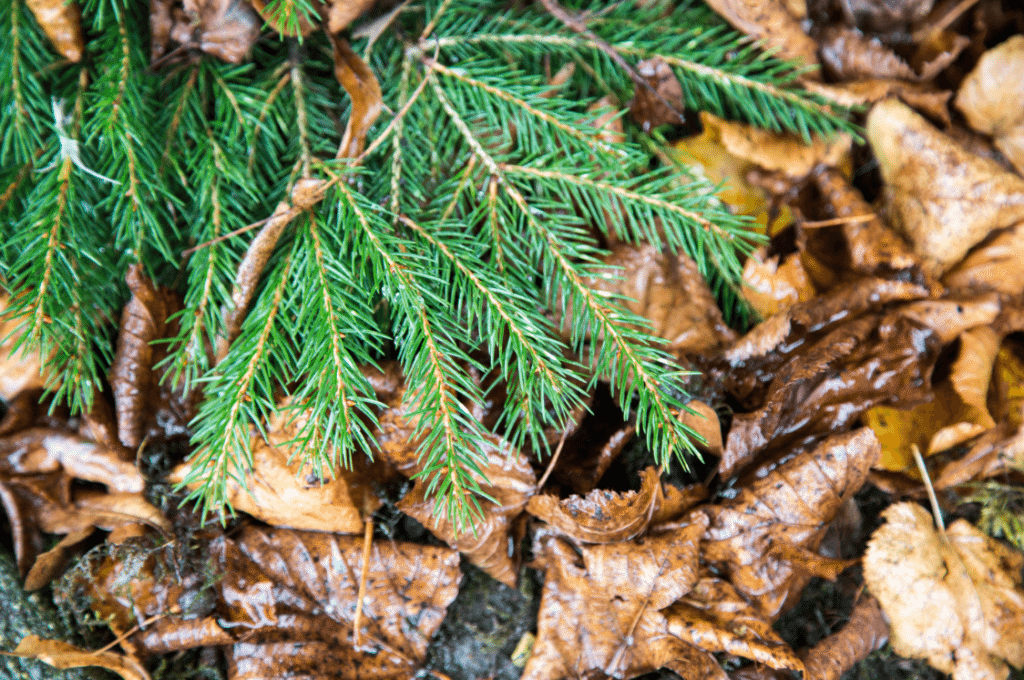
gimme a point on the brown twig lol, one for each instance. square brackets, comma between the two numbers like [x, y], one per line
[554, 458]
[367, 545]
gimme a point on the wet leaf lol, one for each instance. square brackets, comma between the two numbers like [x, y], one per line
[851, 55]
[869, 361]
[662, 104]
[286, 597]
[64, 655]
[773, 287]
[601, 609]
[601, 516]
[792, 505]
[866, 631]
[951, 317]
[923, 97]
[957, 413]
[993, 265]
[143, 321]
[955, 599]
[992, 95]
[493, 542]
[944, 199]
[361, 84]
[770, 22]
[669, 292]
[62, 23]
[40, 450]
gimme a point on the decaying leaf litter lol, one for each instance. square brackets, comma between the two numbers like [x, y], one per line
[885, 325]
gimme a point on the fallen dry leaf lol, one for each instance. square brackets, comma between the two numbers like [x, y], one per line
[39, 450]
[954, 599]
[921, 96]
[949, 318]
[22, 370]
[662, 104]
[791, 506]
[770, 22]
[993, 265]
[282, 587]
[866, 631]
[991, 97]
[64, 655]
[601, 516]
[62, 22]
[957, 413]
[601, 609]
[942, 198]
[772, 287]
[669, 292]
[361, 84]
[226, 29]
[851, 55]
[344, 12]
[785, 153]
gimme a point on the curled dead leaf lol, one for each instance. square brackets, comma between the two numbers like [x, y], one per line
[793, 504]
[993, 265]
[601, 516]
[770, 22]
[865, 632]
[226, 29]
[944, 199]
[39, 450]
[662, 104]
[773, 287]
[64, 655]
[361, 84]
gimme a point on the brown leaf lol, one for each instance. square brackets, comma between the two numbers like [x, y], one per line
[602, 516]
[160, 25]
[865, 632]
[62, 23]
[669, 292]
[50, 564]
[250, 269]
[64, 655]
[361, 84]
[227, 29]
[866, 362]
[770, 22]
[793, 504]
[993, 265]
[143, 320]
[22, 370]
[281, 587]
[871, 247]
[344, 12]
[942, 198]
[951, 317]
[39, 450]
[954, 599]
[920, 96]
[601, 607]
[990, 98]
[283, 490]
[662, 104]
[772, 287]
[851, 55]
[785, 153]
[493, 542]
[714, 617]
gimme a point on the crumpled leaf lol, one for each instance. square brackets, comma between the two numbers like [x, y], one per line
[865, 632]
[942, 198]
[749, 537]
[955, 599]
[601, 606]
[786, 153]
[957, 414]
[870, 361]
[770, 22]
[851, 55]
[871, 247]
[993, 265]
[283, 490]
[493, 542]
[289, 588]
[663, 103]
[991, 97]
[601, 516]
[772, 287]
[64, 655]
[226, 29]
[669, 292]
[950, 317]
[922, 97]
[39, 450]
[61, 20]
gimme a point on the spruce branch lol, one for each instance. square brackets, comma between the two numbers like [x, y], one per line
[456, 233]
